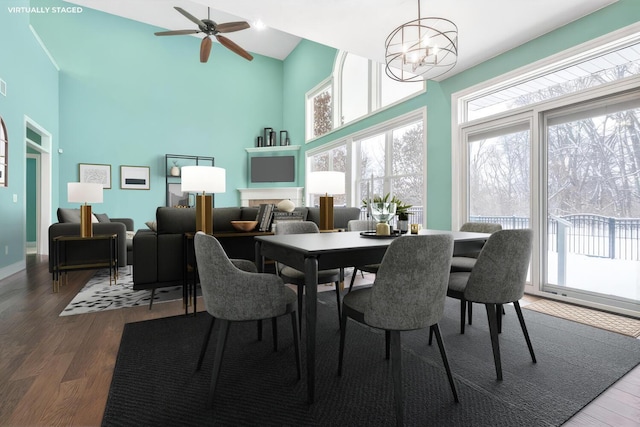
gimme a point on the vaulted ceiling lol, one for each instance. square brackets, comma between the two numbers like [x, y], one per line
[486, 28]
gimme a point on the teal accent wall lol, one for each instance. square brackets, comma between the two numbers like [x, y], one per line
[130, 97]
[32, 91]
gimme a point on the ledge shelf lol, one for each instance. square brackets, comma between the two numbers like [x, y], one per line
[273, 148]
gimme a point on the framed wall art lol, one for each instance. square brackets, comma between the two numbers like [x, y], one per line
[96, 174]
[134, 177]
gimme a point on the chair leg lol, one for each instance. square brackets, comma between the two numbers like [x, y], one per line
[296, 343]
[516, 304]
[300, 306]
[217, 361]
[495, 344]
[259, 330]
[470, 311]
[274, 331]
[430, 336]
[338, 301]
[443, 353]
[353, 278]
[499, 310]
[205, 343]
[463, 313]
[343, 333]
[396, 369]
[387, 344]
[153, 293]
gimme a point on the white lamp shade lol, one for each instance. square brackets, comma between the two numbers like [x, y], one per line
[326, 182]
[84, 192]
[203, 179]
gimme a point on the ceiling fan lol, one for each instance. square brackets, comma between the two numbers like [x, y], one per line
[210, 28]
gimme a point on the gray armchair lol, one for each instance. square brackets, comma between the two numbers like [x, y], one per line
[466, 262]
[408, 294]
[233, 295]
[296, 277]
[498, 278]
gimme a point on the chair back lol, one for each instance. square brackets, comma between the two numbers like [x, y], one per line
[500, 272]
[411, 284]
[296, 227]
[480, 227]
[233, 294]
[361, 225]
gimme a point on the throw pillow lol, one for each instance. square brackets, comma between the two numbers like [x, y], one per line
[102, 217]
[152, 225]
[68, 215]
[94, 218]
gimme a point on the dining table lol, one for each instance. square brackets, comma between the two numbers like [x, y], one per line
[322, 251]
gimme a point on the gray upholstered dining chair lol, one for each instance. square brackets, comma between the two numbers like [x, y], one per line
[408, 294]
[498, 278]
[232, 294]
[465, 262]
[361, 225]
[296, 277]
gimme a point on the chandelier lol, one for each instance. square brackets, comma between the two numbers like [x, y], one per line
[421, 49]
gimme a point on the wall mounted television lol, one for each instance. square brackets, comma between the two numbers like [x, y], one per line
[273, 169]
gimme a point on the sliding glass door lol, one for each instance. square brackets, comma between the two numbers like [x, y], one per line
[593, 201]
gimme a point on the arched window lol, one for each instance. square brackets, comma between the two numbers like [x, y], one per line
[4, 154]
[357, 88]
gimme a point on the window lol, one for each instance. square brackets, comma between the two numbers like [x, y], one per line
[320, 110]
[4, 154]
[611, 62]
[389, 158]
[557, 151]
[333, 159]
[357, 88]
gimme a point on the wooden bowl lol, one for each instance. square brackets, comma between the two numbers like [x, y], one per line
[244, 225]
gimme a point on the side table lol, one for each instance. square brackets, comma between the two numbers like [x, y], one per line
[61, 263]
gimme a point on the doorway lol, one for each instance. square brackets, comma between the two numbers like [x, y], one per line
[37, 200]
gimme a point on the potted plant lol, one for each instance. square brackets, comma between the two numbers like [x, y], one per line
[402, 210]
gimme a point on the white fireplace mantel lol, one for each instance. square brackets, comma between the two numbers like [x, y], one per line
[295, 194]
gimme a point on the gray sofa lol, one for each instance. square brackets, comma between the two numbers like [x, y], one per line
[69, 225]
[159, 254]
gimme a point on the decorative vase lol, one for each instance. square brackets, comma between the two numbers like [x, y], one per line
[174, 171]
[403, 225]
[286, 206]
[382, 213]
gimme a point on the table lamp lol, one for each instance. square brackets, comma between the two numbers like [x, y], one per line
[203, 180]
[327, 182]
[84, 192]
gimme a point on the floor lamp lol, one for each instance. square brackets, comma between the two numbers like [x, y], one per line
[326, 182]
[203, 180]
[84, 192]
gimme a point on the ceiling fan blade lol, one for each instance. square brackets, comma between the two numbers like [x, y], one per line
[234, 47]
[205, 49]
[190, 17]
[176, 32]
[229, 27]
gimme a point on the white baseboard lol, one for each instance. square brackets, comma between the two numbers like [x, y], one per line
[12, 269]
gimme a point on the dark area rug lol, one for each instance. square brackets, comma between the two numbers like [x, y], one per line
[155, 382]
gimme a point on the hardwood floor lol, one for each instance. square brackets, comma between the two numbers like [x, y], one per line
[56, 371]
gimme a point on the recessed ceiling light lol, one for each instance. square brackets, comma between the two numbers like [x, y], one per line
[259, 25]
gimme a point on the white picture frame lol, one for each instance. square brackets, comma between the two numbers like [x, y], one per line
[95, 174]
[135, 177]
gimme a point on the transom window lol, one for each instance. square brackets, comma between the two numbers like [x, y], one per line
[358, 87]
[593, 68]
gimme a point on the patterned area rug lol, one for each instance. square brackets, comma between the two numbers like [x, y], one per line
[97, 295]
[607, 321]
